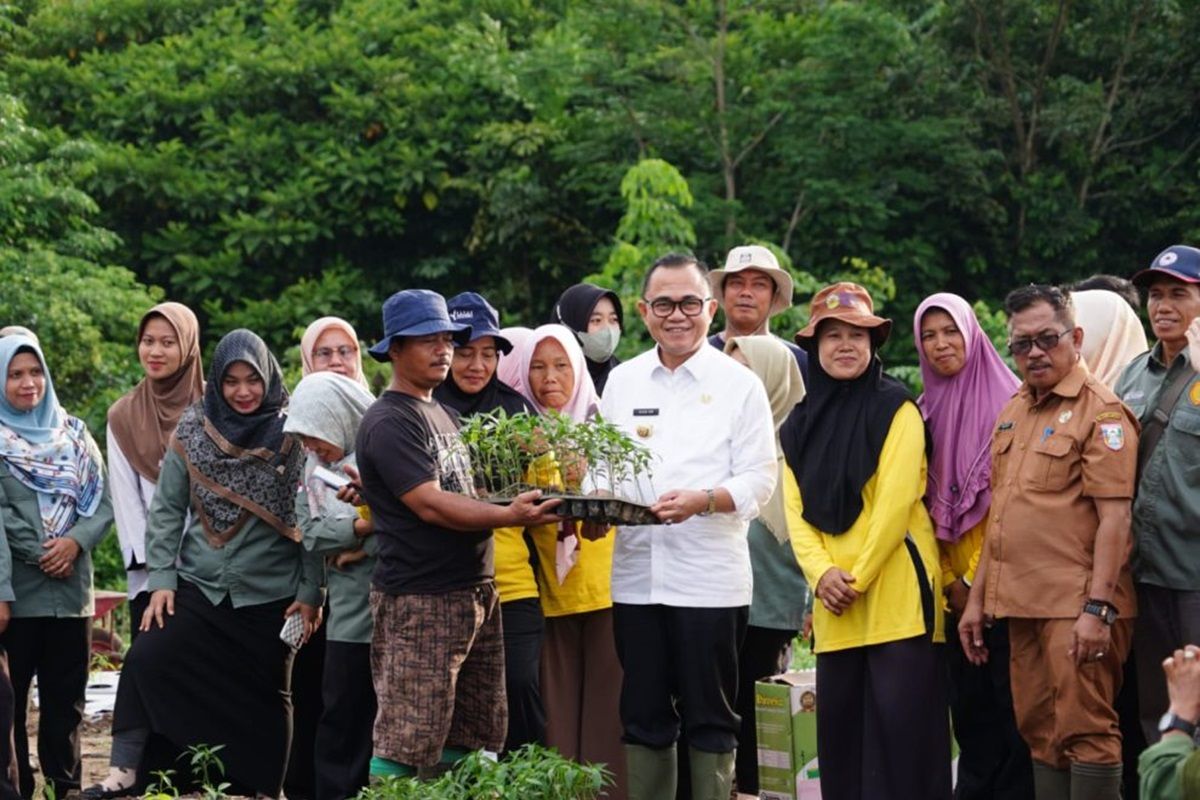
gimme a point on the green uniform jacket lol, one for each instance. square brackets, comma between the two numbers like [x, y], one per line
[32, 592]
[1169, 770]
[256, 566]
[1166, 512]
[349, 589]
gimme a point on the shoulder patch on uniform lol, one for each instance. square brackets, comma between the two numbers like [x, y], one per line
[1113, 415]
[1113, 434]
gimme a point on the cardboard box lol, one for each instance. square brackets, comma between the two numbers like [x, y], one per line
[785, 714]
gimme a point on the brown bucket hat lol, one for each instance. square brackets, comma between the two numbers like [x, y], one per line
[850, 303]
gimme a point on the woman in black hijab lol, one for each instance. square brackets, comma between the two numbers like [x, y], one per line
[226, 568]
[595, 315]
[853, 491]
[471, 388]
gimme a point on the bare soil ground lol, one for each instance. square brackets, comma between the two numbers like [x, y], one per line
[97, 738]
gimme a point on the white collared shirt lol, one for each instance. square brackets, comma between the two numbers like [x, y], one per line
[709, 426]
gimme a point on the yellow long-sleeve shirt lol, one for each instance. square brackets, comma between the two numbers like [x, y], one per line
[873, 549]
[588, 586]
[514, 571]
[961, 558]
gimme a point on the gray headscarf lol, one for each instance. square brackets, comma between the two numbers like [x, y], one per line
[329, 407]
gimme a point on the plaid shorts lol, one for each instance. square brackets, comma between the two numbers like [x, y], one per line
[438, 667]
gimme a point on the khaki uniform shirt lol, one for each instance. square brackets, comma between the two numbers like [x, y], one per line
[1050, 460]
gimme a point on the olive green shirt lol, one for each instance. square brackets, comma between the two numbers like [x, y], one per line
[1169, 770]
[32, 592]
[349, 588]
[256, 566]
[1166, 511]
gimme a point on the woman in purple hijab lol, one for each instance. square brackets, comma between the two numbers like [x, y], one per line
[966, 385]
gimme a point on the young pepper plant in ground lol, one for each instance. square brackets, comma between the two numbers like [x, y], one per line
[530, 773]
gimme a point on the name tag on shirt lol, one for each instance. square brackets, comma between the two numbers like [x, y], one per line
[645, 412]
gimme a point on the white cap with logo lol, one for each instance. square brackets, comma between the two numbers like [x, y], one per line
[754, 256]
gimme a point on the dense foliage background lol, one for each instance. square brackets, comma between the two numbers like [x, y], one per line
[269, 161]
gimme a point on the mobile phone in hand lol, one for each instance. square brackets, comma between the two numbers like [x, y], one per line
[330, 478]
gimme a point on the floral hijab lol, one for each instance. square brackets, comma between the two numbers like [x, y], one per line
[48, 451]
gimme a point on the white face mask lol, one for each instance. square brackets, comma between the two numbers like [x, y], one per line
[600, 346]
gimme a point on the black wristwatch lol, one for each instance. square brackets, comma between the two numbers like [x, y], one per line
[1174, 722]
[1103, 609]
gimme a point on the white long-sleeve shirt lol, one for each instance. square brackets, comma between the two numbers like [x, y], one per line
[708, 425]
[131, 496]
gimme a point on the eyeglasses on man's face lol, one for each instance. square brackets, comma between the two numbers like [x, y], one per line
[663, 307]
[344, 352]
[1045, 341]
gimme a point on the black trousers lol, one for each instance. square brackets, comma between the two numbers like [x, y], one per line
[137, 607]
[343, 742]
[1167, 620]
[307, 668]
[58, 651]
[994, 762]
[524, 629]
[689, 655]
[9, 774]
[213, 675]
[883, 722]
[760, 656]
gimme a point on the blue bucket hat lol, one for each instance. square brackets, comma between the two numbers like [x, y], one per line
[1178, 261]
[471, 309]
[416, 312]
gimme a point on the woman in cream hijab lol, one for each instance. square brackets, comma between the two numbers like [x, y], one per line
[1112, 334]
[330, 344]
[780, 592]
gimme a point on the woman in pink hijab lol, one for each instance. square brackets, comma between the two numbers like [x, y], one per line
[581, 676]
[967, 383]
[508, 368]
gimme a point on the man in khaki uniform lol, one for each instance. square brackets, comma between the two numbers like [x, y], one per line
[1064, 458]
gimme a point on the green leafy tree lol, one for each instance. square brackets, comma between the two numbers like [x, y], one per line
[52, 266]
[57, 282]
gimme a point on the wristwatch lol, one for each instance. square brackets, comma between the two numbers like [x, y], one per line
[1174, 722]
[1103, 609]
[712, 503]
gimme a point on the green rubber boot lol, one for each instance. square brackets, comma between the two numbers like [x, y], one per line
[712, 774]
[1050, 783]
[652, 772]
[1096, 782]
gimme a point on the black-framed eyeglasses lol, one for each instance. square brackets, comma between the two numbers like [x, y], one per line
[325, 353]
[1044, 341]
[690, 306]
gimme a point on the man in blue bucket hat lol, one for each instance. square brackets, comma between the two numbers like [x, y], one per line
[437, 653]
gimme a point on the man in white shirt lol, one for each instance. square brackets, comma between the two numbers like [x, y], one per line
[681, 590]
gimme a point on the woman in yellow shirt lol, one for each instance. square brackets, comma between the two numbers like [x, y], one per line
[855, 452]
[581, 676]
[966, 384]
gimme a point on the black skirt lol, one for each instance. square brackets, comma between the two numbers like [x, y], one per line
[214, 675]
